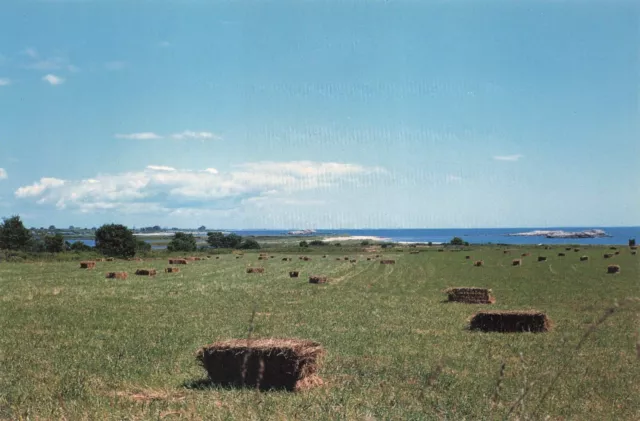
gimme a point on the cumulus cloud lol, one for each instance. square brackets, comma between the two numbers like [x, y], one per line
[4, 81]
[188, 134]
[3, 174]
[164, 189]
[139, 136]
[515, 157]
[53, 79]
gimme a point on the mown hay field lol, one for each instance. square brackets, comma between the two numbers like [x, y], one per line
[77, 346]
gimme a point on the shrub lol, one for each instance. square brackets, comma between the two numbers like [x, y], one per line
[219, 240]
[182, 242]
[303, 243]
[54, 243]
[115, 240]
[456, 241]
[249, 244]
[14, 235]
[317, 243]
[79, 246]
[142, 246]
[365, 243]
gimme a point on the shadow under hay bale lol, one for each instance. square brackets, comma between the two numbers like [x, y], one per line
[172, 270]
[561, 255]
[318, 279]
[470, 295]
[414, 252]
[516, 262]
[294, 274]
[387, 262]
[255, 270]
[337, 258]
[613, 269]
[478, 263]
[87, 265]
[117, 275]
[584, 258]
[146, 272]
[289, 364]
[510, 321]
[178, 261]
[542, 259]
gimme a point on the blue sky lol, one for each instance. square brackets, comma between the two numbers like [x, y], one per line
[320, 114]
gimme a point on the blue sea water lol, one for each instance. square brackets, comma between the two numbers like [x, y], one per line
[618, 235]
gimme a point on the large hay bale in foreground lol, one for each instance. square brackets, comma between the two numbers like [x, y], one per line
[117, 275]
[510, 321]
[318, 279]
[146, 272]
[178, 261]
[613, 269]
[478, 263]
[470, 295]
[387, 262]
[584, 258]
[172, 270]
[87, 265]
[255, 270]
[542, 259]
[289, 364]
[516, 262]
[294, 274]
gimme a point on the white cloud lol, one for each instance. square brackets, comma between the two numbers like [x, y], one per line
[115, 65]
[4, 81]
[139, 136]
[164, 189]
[53, 79]
[3, 174]
[188, 134]
[515, 157]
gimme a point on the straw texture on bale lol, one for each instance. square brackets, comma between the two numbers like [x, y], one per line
[510, 321]
[172, 270]
[117, 275]
[178, 261]
[294, 274]
[255, 270]
[613, 269]
[318, 279]
[87, 265]
[285, 364]
[387, 262]
[478, 263]
[470, 295]
[584, 258]
[516, 262]
[146, 272]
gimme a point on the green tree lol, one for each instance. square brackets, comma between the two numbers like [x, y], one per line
[116, 241]
[182, 242]
[303, 243]
[215, 239]
[456, 241]
[317, 243]
[14, 235]
[249, 244]
[54, 243]
[142, 246]
[52, 227]
[232, 241]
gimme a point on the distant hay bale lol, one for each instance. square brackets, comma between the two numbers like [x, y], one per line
[377, 255]
[478, 263]
[633, 247]
[237, 257]
[338, 258]
[217, 257]
[273, 257]
[387, 262]
[510, 321]
[525, 254]
[576, 250]
[567, 248]
[506, 251]
[110, 259]
[284, 259]
[608, 255]
[264, 364]
[368, 258]
[584, 258]
[262, 257]
[324, 256]
[117, 275]
[294, 274]
[414, 252]
[190, 259]
[318, 279]
[178, 261]
[516, 262]
[633, 253]
[467, 257]
[87, 265]
[440, 250]
[561, 254]
[352, 261]
[306, 258]
[616, 253]
[542, 258]
[146, 272]
[172, 270]
[470, 295]
[346, 258]
[255, 270]
[613, 248]
[547, 248]
[613, 269]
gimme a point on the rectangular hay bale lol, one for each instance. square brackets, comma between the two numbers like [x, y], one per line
[255, 270]
[516, 262]
[172, 270]
[510, 321]
[318, 279]
[117, 275]
[478, 263]
[470, 295]
[294, 274]
[613, 269]
[584, 258]
[178, 261]
[146, 272]
[387, 262]
[87, 265]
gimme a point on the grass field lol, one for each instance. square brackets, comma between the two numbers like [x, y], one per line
[74, 345]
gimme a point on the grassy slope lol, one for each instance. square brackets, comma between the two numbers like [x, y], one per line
[76, 345]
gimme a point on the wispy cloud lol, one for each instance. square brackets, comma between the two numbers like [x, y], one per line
[53, 79]
[115, 65]
[515, 157]
[3, 174]
[139, 136]
[188, 134]
[56, 62]
[5, 81]
[160, 168]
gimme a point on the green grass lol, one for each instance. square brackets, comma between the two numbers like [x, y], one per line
[74, 345]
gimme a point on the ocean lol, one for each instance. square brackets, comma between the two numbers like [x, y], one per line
[618, 235]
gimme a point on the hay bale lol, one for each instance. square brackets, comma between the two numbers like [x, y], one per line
[346, 258]
[414, 252]
[613, 269]
[324, 256]
[284, 259]
[633, 253]
[387, 262]
[273, 257]
[337, 258]
[506, 251]
[584, 258]
[510, 321]
[352, 261]
[237, 257]
[516, 262]
[368, 258]
[561, 254]
[633, 247]
[146, 272]
[576, 250]
[306, 259]
[255, 270]
[178, 261]
[608, 255]
[567, 248]
[172, 270]
[288, 364]
[262, 258]
[613, 248]
[525, 254]
[318, 279]
[440, 250]
[294, 274]
[109, 259]
[87, 265]
[478, 263]
[117, 275]
[616, 253]
[470, 295]
[542, 259]
[467, 257]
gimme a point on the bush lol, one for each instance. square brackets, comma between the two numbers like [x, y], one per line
[632, 242]
[456, 241]
[79, 246]
[466, 244]
[115, 240]
[365, 243]
[219, 240]
[249, 244]
[54, 243]
[182, 242]
[142, 246]
[317, 243]
[303, 243]
[14, 235]
[429, 243]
